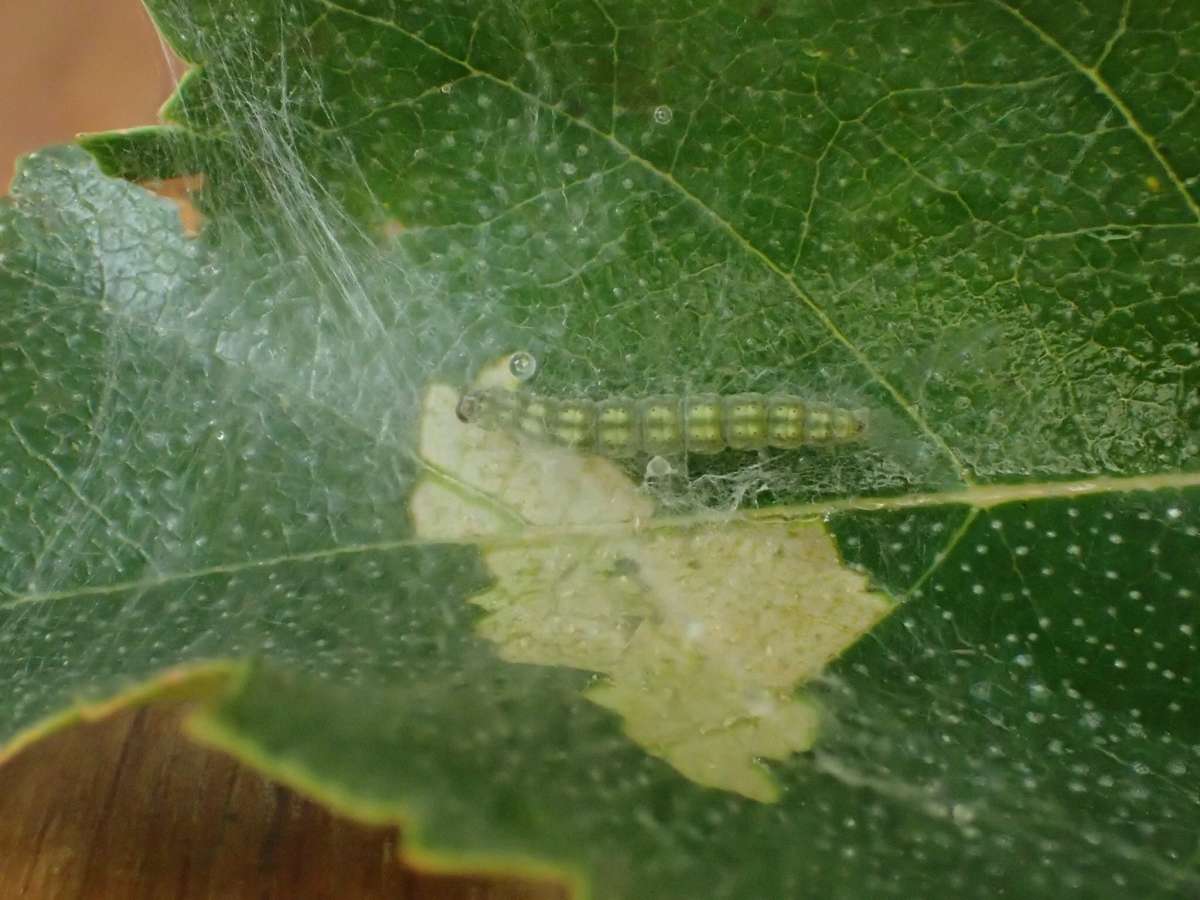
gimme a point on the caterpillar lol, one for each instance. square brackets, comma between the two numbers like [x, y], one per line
[698, 423]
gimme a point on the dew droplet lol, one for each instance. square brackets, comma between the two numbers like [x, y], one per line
[663, 115]
[522, 365]
[657, 467]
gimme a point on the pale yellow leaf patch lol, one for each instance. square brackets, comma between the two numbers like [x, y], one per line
[704, 632]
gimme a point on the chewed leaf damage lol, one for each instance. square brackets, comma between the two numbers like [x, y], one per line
[703, 633]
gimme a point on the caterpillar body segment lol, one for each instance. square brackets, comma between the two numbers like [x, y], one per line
[664, 425]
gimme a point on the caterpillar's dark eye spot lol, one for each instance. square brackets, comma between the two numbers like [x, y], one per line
[468, 408]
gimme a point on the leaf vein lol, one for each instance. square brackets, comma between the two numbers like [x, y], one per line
[909, 407]
[1092, 74]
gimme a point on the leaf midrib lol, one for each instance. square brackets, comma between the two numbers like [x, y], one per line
[975, 498]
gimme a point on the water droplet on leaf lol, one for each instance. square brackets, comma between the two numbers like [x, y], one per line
[522, 365]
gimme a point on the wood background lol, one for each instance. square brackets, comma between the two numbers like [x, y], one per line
[128, 808]
[68, 66]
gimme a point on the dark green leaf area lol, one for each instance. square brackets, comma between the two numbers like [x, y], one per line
[385, 618]
[1050, 657]
[898, 549]
[1153, 64]
[1096, 593]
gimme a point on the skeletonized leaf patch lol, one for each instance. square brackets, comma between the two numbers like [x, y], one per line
[703, 632]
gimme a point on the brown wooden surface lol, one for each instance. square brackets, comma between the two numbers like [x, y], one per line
[128, 808]
[68, 66]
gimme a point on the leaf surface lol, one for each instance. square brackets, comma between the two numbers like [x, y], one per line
[978, 221]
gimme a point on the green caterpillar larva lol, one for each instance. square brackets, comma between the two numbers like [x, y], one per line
[700, 423]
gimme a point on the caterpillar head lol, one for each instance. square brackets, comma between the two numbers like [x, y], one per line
[487, 408]
[468, 407]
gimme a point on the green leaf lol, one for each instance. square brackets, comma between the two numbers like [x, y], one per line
[979, 222]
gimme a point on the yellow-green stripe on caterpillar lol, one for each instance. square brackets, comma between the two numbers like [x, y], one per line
[698, 423]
